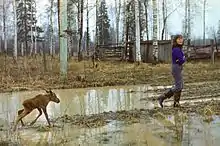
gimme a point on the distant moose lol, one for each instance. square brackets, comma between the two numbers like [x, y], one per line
[39, 102]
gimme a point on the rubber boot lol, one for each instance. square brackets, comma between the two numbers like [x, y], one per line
[164, 96]
[177, 99]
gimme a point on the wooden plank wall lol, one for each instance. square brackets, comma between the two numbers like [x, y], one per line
[164, 51]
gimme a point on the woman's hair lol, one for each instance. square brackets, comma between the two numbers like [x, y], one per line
[175, 42]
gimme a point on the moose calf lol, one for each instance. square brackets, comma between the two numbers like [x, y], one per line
[39, 102]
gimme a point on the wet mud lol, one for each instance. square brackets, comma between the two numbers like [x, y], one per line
[205, 109]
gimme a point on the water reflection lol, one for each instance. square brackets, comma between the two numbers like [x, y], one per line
[77, 101]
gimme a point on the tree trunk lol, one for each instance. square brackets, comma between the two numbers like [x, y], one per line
[25, 24]
[189, 21]
[96, 34]
[22, 48]
[204, 8]
[51, 27]
[62, 19]
[87, 29]
[124, 20]
[80, 31]
[124, 28]
[35, 38]
[116, 24]
[164, 20]
[4, 28]
[137, 26]
[32, 40]
[15, 52]
[158, 19]
[96, 31]
[146, 5]
[155, 49]
[117, 12]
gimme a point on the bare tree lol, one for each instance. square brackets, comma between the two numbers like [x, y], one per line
[124, 15]
[117, 12]
[87, 27]
[137, 38]
[146, 6]
[51, 27]
[35, 38]
[62, 24]
[32, 39]
[80, 26]
[189, 21]
[15, 54]
[166, 15]
[25, 27]
[204, 10]
[155, 13]
[96, 30]
[4, 26]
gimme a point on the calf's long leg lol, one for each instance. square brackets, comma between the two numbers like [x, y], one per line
[19, 112]
[46, 115]
[19, 117]
[40, 113]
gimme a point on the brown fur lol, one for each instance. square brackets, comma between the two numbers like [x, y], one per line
[39, 102]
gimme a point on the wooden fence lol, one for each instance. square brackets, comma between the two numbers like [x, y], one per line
[164, 51]
[195, 52]
[127, 51]
[111, 52]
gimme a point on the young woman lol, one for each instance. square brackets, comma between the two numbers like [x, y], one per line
[178, 59]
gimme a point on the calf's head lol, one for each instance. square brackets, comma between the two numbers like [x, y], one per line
[52, 96]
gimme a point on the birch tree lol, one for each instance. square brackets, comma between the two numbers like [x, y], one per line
[146, 7]
[96, 25]
[155, 44]
[218, 33]
[62, 24]
[117, 12]
[32, 40]
[185, 19]
[15, 52]
[35, 28]
[87, 27]
[4, 26]
[204, 13]
[51, 27]
[189, 21]
[80, 26]
[124, 14]
[137, 25]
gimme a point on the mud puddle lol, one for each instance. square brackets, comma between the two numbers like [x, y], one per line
[112, 116]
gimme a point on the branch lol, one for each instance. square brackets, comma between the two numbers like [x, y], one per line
[170, 14]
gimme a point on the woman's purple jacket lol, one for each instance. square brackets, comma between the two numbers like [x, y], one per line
[178, 56]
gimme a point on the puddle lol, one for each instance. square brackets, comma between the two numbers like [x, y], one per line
[113, 116]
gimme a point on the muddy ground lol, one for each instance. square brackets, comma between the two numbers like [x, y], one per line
[32, 76]
[30, 73]
[205, 110]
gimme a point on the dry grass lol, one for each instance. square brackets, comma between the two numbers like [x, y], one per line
[31, 75]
